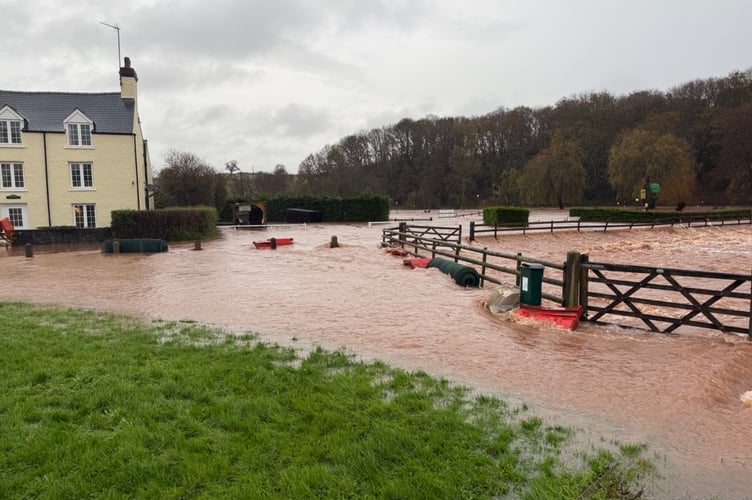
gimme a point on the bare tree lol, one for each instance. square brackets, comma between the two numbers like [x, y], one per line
[187, 180]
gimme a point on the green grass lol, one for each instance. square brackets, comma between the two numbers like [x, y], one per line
[105, 406]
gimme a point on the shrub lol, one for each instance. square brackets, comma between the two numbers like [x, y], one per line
[505, 216]
[365, 208]
[172, 224]
[598, 214]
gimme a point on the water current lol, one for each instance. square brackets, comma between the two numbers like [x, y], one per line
[688, 396]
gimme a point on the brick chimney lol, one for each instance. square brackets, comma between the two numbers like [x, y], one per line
[128, 80]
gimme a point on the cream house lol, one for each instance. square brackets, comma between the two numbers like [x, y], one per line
[70, 159]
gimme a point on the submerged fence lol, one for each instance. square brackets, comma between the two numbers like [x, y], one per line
[661, 299]
[575, 224]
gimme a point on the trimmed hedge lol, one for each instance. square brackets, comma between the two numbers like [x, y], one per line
[505, 216]
[363, 209]
[171, 224]
[598, 214]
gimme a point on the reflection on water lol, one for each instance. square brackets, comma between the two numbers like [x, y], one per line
[688, 396]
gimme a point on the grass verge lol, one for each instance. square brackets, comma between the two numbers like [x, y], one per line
[105, 406]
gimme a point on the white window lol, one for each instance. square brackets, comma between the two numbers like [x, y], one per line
[10, 132]
[12, 175]
[79, 134]
[16, 214]
[78, 128]
[11, 124]
[84, 216]
[81, 176]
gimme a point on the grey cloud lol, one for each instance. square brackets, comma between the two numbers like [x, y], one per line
[298, 120]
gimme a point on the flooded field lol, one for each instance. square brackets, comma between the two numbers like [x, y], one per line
[688, 396]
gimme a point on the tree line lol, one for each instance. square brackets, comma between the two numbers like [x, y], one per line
[694, 141]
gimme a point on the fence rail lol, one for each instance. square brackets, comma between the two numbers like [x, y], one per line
[661, 296]
[663, 299]
[575, 224]
[494, 266]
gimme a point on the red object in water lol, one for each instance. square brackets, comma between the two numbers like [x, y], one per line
[268, 243]
[6, 227]
[417, 262]
[568, 317]
[396, 251]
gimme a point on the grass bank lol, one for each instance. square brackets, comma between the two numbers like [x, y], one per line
[106, 406]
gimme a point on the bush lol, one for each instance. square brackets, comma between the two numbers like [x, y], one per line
[171, 224]
[598, 214]
[363, 209]
[505, 216]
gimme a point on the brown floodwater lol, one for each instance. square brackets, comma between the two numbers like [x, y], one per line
[688, 395]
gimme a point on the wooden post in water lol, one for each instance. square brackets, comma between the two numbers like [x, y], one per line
[273, 243]
[402, 235]
[115, 246]
[29, 251]
[472, 230]
[334, 243]
[571, 291]
[197, 245]
[584, 284]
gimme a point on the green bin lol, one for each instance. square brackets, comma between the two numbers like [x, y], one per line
[531, 281]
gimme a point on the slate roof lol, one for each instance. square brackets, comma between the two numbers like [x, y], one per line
[45, 111]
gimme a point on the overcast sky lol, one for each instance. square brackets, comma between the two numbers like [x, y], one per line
[269, 82]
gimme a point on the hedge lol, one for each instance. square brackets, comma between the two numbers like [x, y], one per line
[505, 216]
[171, 224]
[362, 209]
[598, 214]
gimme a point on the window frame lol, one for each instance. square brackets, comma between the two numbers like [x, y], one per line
[79, 131]
[86, 218]
[79, 169]
[14, 168]
[11, 127]
[8, 132]
[76, 130]
[14, 218]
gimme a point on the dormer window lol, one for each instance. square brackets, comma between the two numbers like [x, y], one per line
[11, 124]
[79, 134]
[78, 128]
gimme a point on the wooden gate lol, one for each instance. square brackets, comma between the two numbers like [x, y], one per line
[665, 299]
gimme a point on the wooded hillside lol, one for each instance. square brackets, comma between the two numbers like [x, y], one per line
[694, 139]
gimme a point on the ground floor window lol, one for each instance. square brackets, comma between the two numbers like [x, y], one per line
[84, 216]
[16, 214]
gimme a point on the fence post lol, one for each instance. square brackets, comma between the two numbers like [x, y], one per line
[483, 267]
[517, 275]
[584, 284]
[402, 235]
[571, 289]
[472, 230]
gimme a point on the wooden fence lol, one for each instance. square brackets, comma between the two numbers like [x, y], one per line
[575, 224]
[663, 299]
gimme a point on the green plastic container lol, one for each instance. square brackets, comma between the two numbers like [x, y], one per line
[531, 282]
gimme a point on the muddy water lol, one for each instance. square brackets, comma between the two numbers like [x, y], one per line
[685, 394]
